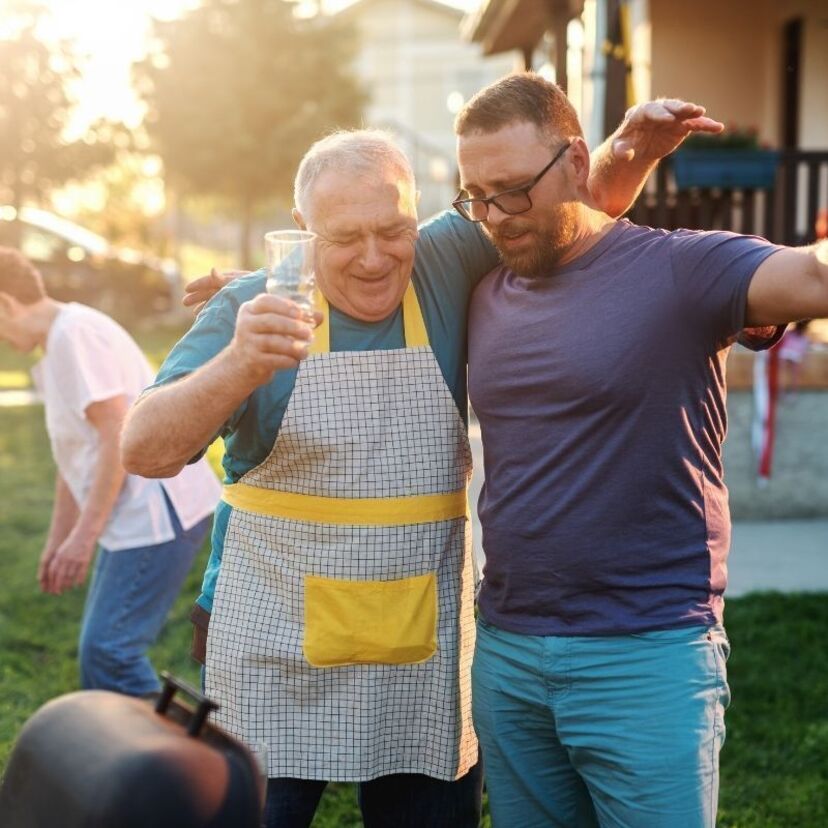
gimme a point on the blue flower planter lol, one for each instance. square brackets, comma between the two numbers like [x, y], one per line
[726, 168]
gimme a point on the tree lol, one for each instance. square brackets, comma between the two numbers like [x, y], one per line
[237, 90]
[35, 109]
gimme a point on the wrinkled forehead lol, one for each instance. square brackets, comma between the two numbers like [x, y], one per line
[501, 156]
[380, 191]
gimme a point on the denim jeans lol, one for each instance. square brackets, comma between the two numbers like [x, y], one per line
[397, 801]
[129, 597]
[614, 730]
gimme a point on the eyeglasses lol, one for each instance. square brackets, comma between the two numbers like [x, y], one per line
[512, 202]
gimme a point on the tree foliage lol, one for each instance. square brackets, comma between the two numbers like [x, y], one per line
[237, 90]
[36, 106]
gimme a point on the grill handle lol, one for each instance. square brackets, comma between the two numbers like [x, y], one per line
[204, 707]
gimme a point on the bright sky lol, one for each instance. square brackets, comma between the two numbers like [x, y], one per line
[112, 34]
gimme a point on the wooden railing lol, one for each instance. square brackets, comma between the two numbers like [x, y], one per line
[786, 214]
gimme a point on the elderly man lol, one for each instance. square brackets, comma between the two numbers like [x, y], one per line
[342, 626]
[596, 367]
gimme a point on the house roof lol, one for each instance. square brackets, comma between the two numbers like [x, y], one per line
[502, 25]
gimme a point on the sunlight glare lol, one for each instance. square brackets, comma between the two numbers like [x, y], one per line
[110, 36]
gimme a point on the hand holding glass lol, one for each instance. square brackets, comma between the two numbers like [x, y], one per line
[290, 271]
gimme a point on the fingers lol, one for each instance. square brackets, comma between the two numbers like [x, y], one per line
[272, 334]
[197, 298]
[200, 290]
[683, 109]
[275, 315]
[274, 323]
[704, 125]
[285, 347]
[212, 281]
[43, 568]
[59, 575]
[666, 110]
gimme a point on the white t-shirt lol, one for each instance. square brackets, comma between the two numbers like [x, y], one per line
[89, 358]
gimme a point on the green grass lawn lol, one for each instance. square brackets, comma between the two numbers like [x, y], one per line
[774, 765]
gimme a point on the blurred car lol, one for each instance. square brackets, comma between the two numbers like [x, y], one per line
[80, 266]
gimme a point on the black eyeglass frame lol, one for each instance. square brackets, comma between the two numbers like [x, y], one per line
[459, 204]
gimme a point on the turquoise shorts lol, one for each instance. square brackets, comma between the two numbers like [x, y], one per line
[611, 731]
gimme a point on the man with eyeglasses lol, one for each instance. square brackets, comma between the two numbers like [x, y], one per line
[596, 368]
[340, 587]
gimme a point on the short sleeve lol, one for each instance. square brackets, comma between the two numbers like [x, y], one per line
[712, 271]
[88, 366]
[458, 247]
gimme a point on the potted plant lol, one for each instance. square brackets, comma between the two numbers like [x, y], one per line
[733, 158]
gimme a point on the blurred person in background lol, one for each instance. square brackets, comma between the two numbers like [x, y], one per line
[148, 530]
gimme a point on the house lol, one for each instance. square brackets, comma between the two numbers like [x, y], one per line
[418, 72]
[752, 63]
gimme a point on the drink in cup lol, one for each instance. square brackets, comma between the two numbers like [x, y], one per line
[290, 272]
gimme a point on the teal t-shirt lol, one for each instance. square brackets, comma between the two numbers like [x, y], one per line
[452, 256]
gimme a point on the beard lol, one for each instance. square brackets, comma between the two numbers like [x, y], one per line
[551, 239]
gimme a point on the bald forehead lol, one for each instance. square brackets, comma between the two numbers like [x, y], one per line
[381, 186]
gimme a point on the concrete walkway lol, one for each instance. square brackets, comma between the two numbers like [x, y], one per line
[785, 555]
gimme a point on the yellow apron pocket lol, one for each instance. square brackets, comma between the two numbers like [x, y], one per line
[370, 622]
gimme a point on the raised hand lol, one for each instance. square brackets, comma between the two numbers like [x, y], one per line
[270, 336]
[654, 129]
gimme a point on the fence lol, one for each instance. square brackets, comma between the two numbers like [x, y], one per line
[786, 214]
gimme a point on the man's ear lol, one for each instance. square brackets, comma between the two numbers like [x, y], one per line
[580, 161]
[8, 305]
[298, 220]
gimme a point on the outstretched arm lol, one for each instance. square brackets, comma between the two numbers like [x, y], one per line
[649, 131]
[790, 285]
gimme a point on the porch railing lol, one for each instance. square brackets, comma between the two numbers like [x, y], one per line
[785, 214]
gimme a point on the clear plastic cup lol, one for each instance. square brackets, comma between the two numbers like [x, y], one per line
[290, 267]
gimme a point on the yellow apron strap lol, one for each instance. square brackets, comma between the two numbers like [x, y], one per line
[366, 511]
[321, 343]
[416, 335]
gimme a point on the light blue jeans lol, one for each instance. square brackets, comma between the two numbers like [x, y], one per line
[601, 731]
[129, 597]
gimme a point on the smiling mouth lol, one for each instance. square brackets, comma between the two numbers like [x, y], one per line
[371, 280]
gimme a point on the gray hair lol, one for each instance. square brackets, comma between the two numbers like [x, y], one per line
[358, 150]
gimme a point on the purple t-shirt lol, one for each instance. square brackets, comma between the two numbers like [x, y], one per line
[600, 391]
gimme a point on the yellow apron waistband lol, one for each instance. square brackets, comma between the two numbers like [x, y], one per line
[363, 511]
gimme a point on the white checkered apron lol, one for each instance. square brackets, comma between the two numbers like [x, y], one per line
[367, 424]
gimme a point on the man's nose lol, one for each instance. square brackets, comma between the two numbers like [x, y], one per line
[495, 216]
[372, 258]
